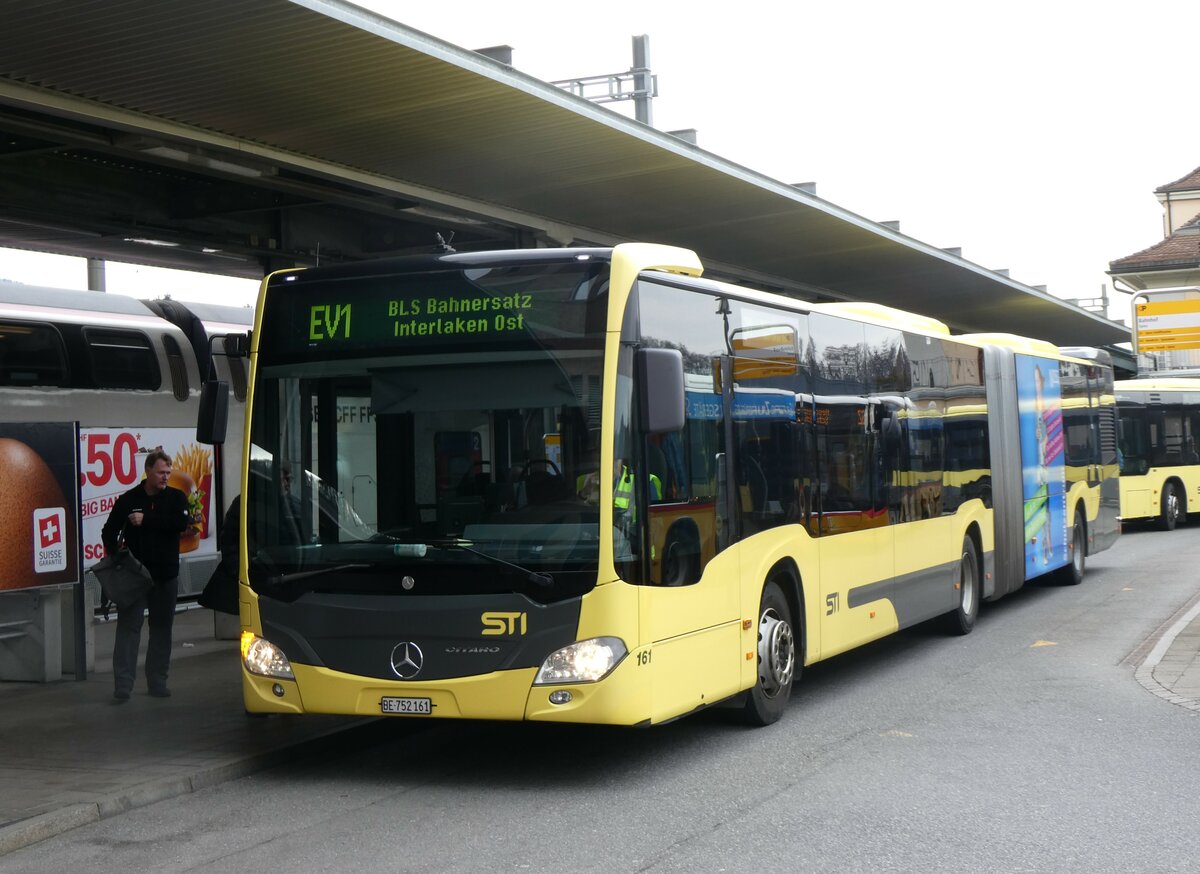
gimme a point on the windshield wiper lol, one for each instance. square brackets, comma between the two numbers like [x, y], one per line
[302, 575]
[417, 550]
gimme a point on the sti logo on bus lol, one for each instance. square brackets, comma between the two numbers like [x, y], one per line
[326, 321]
[503, 623]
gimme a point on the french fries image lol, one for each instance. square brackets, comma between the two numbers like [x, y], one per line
[190, 467]
[194, 461]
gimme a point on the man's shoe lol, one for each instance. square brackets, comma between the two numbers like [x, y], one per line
[162, 692]
[121, 695]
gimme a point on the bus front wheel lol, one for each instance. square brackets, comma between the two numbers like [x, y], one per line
[777, 656]
[1171, 509]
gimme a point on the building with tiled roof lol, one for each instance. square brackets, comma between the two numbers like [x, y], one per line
[1170, 267]
[1173, 262]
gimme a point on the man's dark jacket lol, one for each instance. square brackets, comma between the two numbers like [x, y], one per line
[156, 541]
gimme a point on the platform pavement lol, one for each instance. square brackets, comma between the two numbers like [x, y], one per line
[70, 756]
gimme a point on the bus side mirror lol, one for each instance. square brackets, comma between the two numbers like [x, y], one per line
[213, 418]
[660, 384]
[237, 345]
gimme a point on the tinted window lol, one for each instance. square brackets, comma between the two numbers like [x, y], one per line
[122, 359]
[31, 354]
[179, 377]
[966, 457]
[1078, 415]
[917, 482]
[860, 373]
[774, 466]
[1133, 435]
[683, 466]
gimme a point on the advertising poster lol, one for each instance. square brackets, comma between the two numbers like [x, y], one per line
[39, 505]
[113, 460]
[1043, 465]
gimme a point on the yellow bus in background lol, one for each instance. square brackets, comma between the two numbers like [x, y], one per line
[779, 482]
[1160, 460]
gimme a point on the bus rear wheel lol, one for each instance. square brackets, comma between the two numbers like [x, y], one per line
[1171, 508]
[1072, 574]
[961, 619]
[777, 665]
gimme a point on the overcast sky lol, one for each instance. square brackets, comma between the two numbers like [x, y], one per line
[1030, 134]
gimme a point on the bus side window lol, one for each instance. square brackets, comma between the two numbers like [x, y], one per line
[32, 354]
[122, 359]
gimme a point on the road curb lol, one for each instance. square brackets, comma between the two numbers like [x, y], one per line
[26, 832]
[1144, 673]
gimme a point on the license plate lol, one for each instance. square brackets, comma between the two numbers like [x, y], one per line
[408, 706]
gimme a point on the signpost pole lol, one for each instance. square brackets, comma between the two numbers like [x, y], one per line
[82, 613]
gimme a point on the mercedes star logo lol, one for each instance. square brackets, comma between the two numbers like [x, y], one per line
[407, 659]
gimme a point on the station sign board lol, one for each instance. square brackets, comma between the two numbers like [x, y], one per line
[1166, 325]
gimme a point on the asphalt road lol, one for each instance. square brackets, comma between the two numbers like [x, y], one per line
[1025, 746]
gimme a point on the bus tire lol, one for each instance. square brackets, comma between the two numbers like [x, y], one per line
[1168, 516]
[1072, 574]
[962, 618]
[777, 659]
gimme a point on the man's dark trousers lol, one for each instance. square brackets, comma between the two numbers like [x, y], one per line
[161, 603]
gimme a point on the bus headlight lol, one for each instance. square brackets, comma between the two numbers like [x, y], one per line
[585, 661]
[264, 658]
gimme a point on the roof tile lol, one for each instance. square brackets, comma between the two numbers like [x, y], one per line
[1190, 182]
[1182, 249]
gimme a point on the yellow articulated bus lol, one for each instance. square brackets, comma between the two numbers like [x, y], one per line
[588, 485]
[1060, 465]
[1160, 460]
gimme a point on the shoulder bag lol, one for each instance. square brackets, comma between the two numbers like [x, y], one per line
[123, 579]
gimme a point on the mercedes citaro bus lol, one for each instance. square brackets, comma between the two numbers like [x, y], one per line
[588, 485]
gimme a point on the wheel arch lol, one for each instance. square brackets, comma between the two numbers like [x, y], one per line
[1079, 511]
[1180, 491]
[786, 573]
[976, 534]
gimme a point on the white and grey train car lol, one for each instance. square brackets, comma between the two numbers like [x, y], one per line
[130, 373]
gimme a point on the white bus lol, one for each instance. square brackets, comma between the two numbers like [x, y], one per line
[130, 373]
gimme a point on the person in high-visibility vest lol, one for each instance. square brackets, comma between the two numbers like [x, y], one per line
[623, 491]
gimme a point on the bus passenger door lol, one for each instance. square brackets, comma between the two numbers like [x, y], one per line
[856, 538]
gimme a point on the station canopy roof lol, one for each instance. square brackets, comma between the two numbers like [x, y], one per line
[235, 137]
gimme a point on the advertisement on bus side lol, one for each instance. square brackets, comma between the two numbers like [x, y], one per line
[112, 460]
[1043, 465]
[39, 505]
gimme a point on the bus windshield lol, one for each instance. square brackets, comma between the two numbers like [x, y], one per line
[428, 430]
